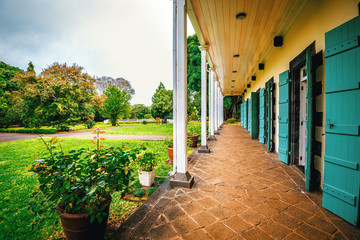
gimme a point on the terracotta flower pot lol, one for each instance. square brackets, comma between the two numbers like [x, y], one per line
[170, 151]
[194, 139]
[78, 226]
[146, 178]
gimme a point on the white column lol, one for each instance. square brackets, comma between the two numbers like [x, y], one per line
[216, 98]
[182, 178]
[222, 110]
[211, 103]
[203, 148]
[174, 87]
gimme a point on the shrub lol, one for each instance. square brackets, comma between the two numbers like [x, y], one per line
[29, 130]
[82, 180]
[89, 124]
[231, 120]
[144, 122]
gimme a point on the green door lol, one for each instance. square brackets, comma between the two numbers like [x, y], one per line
[254, 119]
[309, 104]
[261, 115]
[284, 117]
[341, 188]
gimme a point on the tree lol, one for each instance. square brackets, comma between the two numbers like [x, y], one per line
[117, 103]
[30, 67]
[194, 63]
[231, 104]
[162, 103]
[104, 82]
[10, 102]
[60, 96]
[139, 111]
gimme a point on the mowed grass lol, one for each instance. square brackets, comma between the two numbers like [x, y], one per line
[148, 129]
[16, 185]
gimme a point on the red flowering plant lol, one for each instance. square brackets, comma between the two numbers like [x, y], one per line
[82, 181]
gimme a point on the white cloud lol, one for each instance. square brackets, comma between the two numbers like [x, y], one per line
[130, 39]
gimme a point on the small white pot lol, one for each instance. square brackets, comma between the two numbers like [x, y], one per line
[146, 178]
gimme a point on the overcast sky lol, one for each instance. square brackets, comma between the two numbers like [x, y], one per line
[115, 38]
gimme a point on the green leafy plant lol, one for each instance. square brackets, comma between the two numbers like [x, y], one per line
[83, 180]
[168, 142]
[231, 120]
[147, 161]
[90, 124]
[193, 131]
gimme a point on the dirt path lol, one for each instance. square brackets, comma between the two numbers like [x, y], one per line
[10, 137]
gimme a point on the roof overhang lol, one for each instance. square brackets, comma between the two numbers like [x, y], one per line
[252, 38]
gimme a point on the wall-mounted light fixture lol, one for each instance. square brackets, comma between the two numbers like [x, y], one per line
[234, 71]
[248, 86]
[261, 66]
[233, 80]
[236, 55]
[278, 41]
[240, 16]
[253, 78]
[245, 90]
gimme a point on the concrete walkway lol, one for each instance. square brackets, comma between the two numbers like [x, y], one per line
[241, 192]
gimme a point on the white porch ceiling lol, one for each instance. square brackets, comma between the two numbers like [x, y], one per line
[215, 24]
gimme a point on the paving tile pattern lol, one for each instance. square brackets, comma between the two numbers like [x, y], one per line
[240, 192]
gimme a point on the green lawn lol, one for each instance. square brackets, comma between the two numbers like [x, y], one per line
[148, 129]
[17, 184]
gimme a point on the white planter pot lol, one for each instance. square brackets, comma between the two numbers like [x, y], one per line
[147, 178]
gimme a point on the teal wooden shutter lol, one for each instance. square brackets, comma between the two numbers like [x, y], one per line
[269, 114]
[245, 113]
[254, 133]
[249, 114]
[309, 119]
[341, 187]
[242, 115]
[261, 115]
[284, 117]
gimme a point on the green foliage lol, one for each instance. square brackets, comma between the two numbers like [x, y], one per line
[29, 130]
[231, 106]
[139, 111]
[117, 103]
[162, 102]
[147, 161]
[168, 142]
[231, 120]
[144, 122]
[17, 184]
[30, 67]
[194, 63]
[151, 191]
[194, 130]
[82, 180]
[148, 116]
[89, 124]
[139, 193]
[60, 96]
[10, 100]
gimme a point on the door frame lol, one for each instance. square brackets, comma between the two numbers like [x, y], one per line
[294, 96]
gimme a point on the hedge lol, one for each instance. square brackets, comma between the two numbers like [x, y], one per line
[29, 130]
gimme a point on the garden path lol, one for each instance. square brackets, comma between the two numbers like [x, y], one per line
[9, 137]
[241, 192]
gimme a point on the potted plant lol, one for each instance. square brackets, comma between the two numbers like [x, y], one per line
[147, 162]
[79, 184]
[193, 136]
[169, 144]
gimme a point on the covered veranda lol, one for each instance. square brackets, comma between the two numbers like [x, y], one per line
[241, 192]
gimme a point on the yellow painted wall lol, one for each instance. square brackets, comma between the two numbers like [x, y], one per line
[317, 17]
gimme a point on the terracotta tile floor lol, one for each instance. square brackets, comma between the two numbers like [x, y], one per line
[240, 192]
